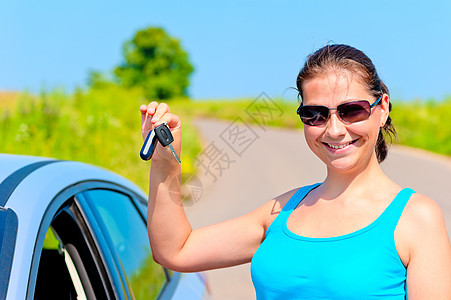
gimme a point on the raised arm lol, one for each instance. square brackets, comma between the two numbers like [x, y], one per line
[174, 244]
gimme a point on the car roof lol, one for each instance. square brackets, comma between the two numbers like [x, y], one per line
[17, 170]
[12, 162]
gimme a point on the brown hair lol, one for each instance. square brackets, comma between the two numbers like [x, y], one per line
[348, 58]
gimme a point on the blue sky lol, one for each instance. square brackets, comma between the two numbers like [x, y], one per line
[238, 48]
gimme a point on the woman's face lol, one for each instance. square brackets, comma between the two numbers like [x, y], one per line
[342, 146]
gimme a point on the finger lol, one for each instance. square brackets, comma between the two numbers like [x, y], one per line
[143, 109]
[162, 109]
[147, 110]
[152, 107]
[172, 120]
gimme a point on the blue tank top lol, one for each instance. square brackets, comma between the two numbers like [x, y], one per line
[360, 265]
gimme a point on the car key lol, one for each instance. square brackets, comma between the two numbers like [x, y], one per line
[164, 136]
[149, 146]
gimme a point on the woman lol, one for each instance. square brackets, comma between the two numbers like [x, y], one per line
[357, 235]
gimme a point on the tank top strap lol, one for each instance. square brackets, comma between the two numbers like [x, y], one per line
[292, 203]
[298, 197]
[396, 207]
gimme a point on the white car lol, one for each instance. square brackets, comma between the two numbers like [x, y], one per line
[69, 230]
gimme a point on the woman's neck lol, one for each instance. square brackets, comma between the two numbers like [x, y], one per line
[339, 183]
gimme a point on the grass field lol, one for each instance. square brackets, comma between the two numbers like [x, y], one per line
[102, 126]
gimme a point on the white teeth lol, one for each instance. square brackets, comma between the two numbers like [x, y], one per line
[338, 146]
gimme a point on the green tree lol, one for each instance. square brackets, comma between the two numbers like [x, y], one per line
[155, 62]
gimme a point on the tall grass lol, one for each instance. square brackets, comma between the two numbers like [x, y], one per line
[424, 124]
[102, 126]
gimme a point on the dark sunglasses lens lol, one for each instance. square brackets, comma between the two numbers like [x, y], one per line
[313, 115]
[354, 111]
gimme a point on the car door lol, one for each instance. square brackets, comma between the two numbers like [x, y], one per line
[96, 247]
[116, 215]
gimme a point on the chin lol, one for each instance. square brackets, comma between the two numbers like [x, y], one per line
[341, 164]
[347, 164]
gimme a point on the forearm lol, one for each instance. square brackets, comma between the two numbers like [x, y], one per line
[167, 223]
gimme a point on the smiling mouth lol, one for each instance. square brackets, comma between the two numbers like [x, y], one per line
[340, 146]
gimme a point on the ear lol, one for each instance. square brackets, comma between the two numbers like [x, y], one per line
[385, 109]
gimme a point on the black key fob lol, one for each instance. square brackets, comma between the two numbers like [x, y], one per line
[149, 145]
[164, 134]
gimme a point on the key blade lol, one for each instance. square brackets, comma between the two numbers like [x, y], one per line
[177, 158]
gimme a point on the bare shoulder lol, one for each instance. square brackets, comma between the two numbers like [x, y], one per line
[423, 212]
[271, 209]
[422, 220]
[428, 249]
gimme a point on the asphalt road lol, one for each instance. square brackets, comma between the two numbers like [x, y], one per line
[242, 167]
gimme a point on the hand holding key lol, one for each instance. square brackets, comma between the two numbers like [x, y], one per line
[161, 132]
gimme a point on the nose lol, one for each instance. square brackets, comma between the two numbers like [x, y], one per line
[334, 126]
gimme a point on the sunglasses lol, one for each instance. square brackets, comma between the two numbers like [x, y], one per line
[349, 112]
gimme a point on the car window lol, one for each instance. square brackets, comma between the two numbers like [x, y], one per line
[67, 264]
[142, 207]
[127, 231]
[53, 273]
